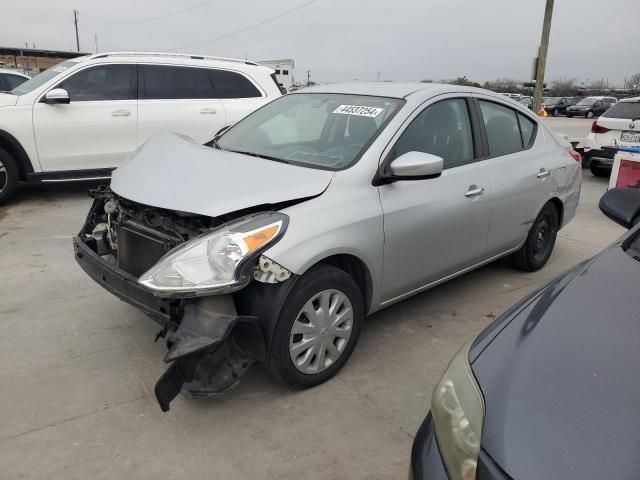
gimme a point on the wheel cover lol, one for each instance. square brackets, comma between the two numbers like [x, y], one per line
[4, 176]
[321, 332]
[543, 235]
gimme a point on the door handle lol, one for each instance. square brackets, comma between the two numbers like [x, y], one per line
[208, 111]
[121, 113]
[543, 173]
[474, 191]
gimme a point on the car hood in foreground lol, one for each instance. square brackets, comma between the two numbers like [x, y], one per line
[561, 381]
[174, 173]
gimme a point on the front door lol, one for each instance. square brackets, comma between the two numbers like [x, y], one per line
[97, 129]
[437, 227]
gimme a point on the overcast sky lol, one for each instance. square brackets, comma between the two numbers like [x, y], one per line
[341, 40]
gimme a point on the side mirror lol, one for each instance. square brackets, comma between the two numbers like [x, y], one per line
[622, 205]
[414, 166]
[56, 96]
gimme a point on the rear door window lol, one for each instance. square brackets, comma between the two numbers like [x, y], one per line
[503, 129]
[232, 84]
[627, 110]
[164, 82]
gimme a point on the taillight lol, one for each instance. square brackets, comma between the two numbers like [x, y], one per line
[575, 155]
[595, 128]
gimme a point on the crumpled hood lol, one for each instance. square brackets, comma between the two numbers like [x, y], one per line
[560, 381]
[169, 171]
[8, 100]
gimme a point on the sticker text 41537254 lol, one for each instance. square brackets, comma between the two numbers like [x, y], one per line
[358, 110]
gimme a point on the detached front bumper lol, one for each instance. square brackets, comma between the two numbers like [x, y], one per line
[210, 345]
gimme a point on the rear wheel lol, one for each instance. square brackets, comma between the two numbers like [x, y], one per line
[318, 327]
[599, 171]
[540, 242]
[8, 176]
[589, 114]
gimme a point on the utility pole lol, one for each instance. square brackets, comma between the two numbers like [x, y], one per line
[308, 78]
[95, 37]
[75, 21]
[542, 56]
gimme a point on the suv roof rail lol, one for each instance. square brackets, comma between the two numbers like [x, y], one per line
[173, 55]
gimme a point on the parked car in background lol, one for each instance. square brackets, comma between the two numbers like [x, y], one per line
[526, 101]
[550, 385]
[556, 106]
[515, 96]
[620, 125]
[590, 107]
[83, 117]
[10, 79]
[269, 246]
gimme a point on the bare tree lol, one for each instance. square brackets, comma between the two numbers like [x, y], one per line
[464, 81]
[506, 85]
[633, 83]
[564, 87]
[599, 86]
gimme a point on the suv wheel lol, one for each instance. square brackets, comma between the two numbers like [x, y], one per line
[8, 176]
[318, 327]
[540, 242]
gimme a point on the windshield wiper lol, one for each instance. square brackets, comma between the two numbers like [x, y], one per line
[259, 155]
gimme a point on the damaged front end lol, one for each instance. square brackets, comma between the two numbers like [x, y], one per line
[183, 270]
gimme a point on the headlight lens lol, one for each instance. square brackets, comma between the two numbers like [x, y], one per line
[210, 263]
[457, 408]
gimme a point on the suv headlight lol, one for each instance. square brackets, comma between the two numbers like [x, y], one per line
[457, 408]
[215, 262]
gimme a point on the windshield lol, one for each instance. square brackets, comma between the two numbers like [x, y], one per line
[43, 77]
[587, 101]
[629, 110]
[319, 130]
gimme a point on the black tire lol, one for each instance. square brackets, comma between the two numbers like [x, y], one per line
[586, 160]
[8, 176]
[589, 114]
[316, 280]
[555, 112]
[598, 171]
[540, 242]
[569, 115]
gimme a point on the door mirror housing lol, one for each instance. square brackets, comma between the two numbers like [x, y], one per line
[622, 205]
[413, 166]
[57, 96]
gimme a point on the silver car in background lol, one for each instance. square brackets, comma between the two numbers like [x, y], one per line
[272, 244]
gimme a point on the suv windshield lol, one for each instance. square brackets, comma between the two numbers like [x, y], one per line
[587, 101]
[43, 77]
[318, 130]
[630, 110]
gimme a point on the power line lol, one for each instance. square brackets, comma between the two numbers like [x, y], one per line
[242, 30]
[153, 19]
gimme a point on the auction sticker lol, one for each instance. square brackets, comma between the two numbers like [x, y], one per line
[358, 110]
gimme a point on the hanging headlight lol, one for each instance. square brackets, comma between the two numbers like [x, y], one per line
[457, 408]
[213, 262]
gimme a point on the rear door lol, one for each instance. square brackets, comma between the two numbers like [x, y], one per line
[436, 227]
[97, 129]
[522, 172]
[619, 124]
[239, 94]
[178, 99]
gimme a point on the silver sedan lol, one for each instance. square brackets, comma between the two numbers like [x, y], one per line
[272, 243]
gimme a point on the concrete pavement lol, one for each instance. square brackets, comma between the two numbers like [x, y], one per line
[77, 368]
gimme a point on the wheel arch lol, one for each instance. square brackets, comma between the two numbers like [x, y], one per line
[357, 269]
[9, 143]
[556, 202]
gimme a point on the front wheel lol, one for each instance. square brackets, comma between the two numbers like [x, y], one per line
[555, 113]
[8, 176]
[540, 242]
[318, 327]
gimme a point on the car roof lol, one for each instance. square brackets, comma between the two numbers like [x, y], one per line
[175, 58]
[392, 89]
[631, 99]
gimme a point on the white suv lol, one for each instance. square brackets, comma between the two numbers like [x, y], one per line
[80, 119]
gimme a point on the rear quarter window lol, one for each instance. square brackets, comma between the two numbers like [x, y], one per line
[232, 85]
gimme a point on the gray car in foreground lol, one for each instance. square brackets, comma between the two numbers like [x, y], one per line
[272, 244]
